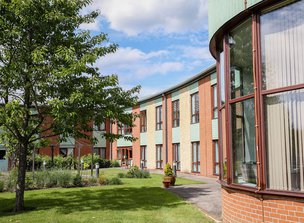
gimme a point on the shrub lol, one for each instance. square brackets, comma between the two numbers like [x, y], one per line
[103, 180]
[115, 163]
[64, 178]
[77, 181]
[114, 181]
[103, 163]
[29, 183]
[168, 170]
[1, 186]
[92, 181]
[121, 175]
[11, 181]
[135, 172]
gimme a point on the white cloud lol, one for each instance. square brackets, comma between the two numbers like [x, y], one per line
[133, 64]
[134, 17]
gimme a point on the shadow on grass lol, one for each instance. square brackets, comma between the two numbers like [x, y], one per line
[66, 201]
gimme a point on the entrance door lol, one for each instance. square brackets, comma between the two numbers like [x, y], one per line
[125, 155]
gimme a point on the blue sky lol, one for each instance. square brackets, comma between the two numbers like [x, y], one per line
[161, 42]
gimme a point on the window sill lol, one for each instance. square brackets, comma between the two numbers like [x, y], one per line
[254, 190]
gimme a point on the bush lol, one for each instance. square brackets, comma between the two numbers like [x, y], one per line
[115, 163]
[11, 181]
[168, 170]
[77, 181]
[64, 178]
[29, 183]
[92, 181]
[115, 181]
[121, 175]
[135, 172]
[1, 186]
[103, 180]
[103, 163]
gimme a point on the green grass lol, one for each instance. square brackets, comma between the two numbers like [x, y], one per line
[138, 200]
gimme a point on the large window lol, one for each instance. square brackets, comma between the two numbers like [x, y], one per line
[176, 155]
[242, 112]
[159, 160]
[194, 108]
[196, 157]
[66, 152]
[100, 151]
[143, 156]
[120, 128]
[127, 130]
[175, 113]
[282, 87]
[261, 114]
[159, 118]
[100, 127]
[243, 142]
[214, 102]
[216, 160]
[143, 121]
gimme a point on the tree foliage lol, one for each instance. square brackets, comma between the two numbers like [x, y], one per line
[49, 82]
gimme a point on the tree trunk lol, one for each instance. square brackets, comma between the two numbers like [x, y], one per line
[20, 187]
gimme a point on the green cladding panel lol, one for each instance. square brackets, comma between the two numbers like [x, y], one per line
[221, 11]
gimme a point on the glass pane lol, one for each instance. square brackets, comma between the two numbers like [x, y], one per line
[222, 77]
[178, 152]
[282, 44]
[198, 153]
[194, 152]
[241, 71]
[216, 152]
[217, 169]
[103, 153]
[284, 120]
[223, 150]
[243, 142]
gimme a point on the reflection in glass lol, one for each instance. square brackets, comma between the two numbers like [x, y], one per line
[284, 119]
[282, 43]
[243, 143]
[222, 77]
[241, 71]
[223, 149]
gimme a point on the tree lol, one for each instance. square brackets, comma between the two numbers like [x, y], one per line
[48, 71]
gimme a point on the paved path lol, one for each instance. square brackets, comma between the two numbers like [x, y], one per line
[206, 197]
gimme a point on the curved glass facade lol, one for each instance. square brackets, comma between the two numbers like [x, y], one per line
[261, 106]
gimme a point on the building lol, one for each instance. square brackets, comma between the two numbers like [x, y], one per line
[176, 126]
[259, 48]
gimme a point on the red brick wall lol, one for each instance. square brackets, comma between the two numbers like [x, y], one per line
[169, 127]
[108, 144]
[114, 144]
[136, 134]
[240, 206]
[206, 147]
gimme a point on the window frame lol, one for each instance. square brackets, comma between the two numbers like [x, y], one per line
[158, 116]
[127, 130]
[195, 113]
[143, 121]
[176, 154]
[258, 96]
[196, 162]
[214, 92]
[175, 114]
[159, 163]
[143, 150]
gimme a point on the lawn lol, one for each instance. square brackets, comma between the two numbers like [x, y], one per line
[137, 200]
